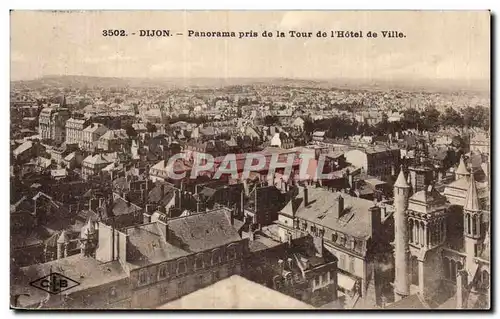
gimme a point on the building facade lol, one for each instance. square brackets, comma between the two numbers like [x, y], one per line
[51, 124]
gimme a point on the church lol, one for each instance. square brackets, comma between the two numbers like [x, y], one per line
[441, 241]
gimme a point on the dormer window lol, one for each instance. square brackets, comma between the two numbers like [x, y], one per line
[198, 264]
[181, 267]
[231, 253]
[216, 257]
[143, 277]
[163, 271]
[334, 237]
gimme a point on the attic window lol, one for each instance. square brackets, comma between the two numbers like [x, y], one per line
[181, 267]
[198, 262]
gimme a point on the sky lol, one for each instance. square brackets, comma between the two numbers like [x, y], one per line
[438, 45]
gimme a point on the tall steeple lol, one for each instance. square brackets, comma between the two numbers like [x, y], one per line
[472, 201]
[473, 226]
[401, 244]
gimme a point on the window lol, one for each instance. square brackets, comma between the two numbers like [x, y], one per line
[351, 264]
[334, 237]
[316, 281]
[198, 262]
[342, 240]
[143, 277]
[351, 243]
[163, 272]
[216, 257]
[181, 267]
[342, 261]
[231, 253]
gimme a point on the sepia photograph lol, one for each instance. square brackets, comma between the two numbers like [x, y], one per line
[256, 160]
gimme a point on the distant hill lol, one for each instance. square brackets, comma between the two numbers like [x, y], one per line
[78, 81]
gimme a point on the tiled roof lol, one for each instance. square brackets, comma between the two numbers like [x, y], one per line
[156, 195]
[356, 220]
[85, 270]
[236, 292]
[202, 231]
[147, 245]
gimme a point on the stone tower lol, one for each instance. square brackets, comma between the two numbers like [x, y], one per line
[472, 224]
[401, 248]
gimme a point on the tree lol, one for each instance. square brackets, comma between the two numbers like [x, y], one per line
[131, 132]
[431, 118]
[271, 120]
[451, 117]
[411, 119]
[151, 127]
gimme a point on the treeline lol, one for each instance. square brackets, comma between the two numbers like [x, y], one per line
[429, 119]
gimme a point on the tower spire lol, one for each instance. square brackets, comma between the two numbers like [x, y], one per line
[472, 201]
[401, 181]
[461, 169]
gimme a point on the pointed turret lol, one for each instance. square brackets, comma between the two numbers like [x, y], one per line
[63, 238]
[62, 247]
[472, 201]
[401, 181]
[461, 169]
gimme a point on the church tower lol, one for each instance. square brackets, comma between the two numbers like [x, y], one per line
[472, 224]
[401, 247]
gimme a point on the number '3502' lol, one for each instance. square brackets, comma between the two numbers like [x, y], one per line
[114, 33]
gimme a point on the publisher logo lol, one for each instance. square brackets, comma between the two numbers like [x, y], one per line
[54, 283]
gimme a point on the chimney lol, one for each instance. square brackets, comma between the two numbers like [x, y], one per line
[306, 196]
[338, 208]
[376, 222]
[162, 187]
[146, 218]
[462, 289]
[256, 201]
[242, 202]
[150, 209]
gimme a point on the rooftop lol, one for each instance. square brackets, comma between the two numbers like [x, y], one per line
[85, 270]
[147, 245]
[355, 220]
[236, 292]
[199, 232]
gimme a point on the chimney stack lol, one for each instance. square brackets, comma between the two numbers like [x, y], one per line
[376, 222]
[306, 196]
[338, 208]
